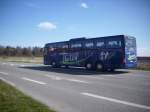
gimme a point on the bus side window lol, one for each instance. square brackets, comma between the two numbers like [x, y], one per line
[114, 44]
[76, 45]
[60, 46]
[89, 44]
[51, 49]
[65, 46]
[100, 44]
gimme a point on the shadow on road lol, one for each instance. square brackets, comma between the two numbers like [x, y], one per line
[72, 71]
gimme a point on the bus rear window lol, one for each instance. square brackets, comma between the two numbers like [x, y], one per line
[130, 42]
[114, 44]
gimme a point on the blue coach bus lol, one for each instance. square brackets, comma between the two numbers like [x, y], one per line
[101, 53]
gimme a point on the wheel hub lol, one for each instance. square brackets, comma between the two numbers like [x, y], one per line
[99, 66]
[53, 63]
[89, 65]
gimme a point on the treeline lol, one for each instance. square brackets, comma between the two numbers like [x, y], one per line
[20, 51]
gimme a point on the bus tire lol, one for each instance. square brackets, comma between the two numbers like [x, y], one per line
[66, 66]
[54, 64]
[89, 66]
[112, 69]
[99, 66]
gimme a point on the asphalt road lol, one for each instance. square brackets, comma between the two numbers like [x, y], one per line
[78, 90]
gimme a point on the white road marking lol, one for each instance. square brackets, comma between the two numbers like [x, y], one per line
[8, 81]
[76, 80]
[54, 77]
[117, 101]
[29, 65]
[22, 65]
[94, 77]
[31, 80]
[67, 79]
[4, 73]
[3, 63]
[11, 64]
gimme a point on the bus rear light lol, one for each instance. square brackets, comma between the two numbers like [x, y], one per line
[124, 61]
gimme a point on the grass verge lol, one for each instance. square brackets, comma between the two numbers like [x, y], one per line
[144, 68]
[13, 100]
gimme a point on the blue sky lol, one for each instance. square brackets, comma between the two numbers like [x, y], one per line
[36, 22]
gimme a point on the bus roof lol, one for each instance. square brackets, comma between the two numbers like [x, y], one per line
[62, 42]
[84, 38]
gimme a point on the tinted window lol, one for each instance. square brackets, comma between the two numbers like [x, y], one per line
[45, 51]
[52, 46]
[51, 49]
[57, 46]
[130, 42]
[60, 45]
[100, 44]
[76, 45]
[65, 46]
[114, 43]
[89, 44]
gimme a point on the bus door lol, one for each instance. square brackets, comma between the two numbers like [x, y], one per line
[70, 58]
[130, 52]
[72, 55]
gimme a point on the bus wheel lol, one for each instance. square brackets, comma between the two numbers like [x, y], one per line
[112, 69]
[88, 66]
[99, 66]
[53, 64]
[66, 66]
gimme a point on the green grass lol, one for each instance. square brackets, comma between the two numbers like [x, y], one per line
[144, 65]
[12, 100]
[144, 68]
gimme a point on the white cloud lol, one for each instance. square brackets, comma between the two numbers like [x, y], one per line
[46, 26]
[84, 5]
